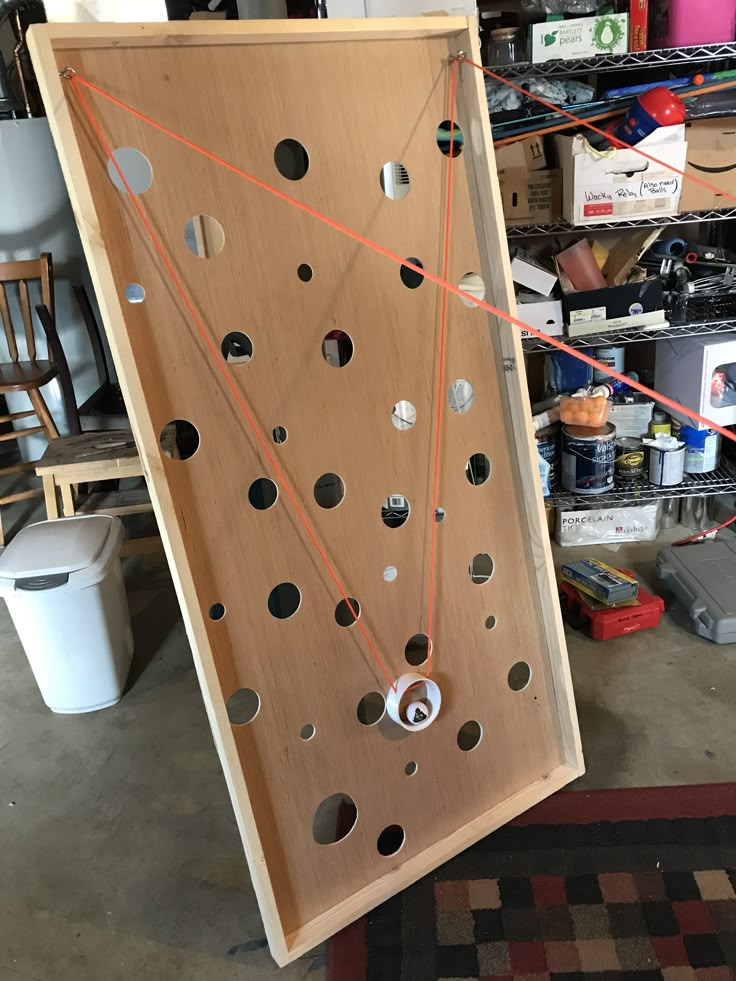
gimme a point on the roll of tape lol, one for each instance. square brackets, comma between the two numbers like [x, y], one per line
[414, 701]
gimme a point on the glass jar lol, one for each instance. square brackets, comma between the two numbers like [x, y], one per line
[505, 47]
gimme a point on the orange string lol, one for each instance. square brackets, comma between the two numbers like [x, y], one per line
[612, 139]
[441, 371]
[225, 373]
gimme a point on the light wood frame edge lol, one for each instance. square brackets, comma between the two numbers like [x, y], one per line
[484, 192]
[490, 231]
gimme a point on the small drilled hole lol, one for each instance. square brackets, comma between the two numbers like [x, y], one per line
[284, 600]
[395, 511]
[394, 180]
[307, 732]
[439, 515]
[481, 568]
[403, 415]
[491, 622]
[390, 573]
[204, 236]
[390, 840]
[263, 494]
[461, 396]
[134, 293]
[243, 706]
[337, 348]
[305, 272]
[291, 159]
[445, 138]
[329, 490]
[478, 469]
[472, 283]
[410, 277]
[344, 615]
[237, 347]
[135, 167]
[417, 649]
[216, 611]
[371, 708]
[179, 440]
[469, 736]
[279, 434]
[519, 676]
[411, 768]
[334, 819]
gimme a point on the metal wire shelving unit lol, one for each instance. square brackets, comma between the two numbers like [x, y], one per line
[632, 335]
[563, 227]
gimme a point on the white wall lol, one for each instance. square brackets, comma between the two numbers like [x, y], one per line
[106, 10]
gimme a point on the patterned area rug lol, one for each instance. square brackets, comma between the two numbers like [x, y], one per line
[621, 884]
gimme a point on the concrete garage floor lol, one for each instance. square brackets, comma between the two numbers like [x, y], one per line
[120, 855]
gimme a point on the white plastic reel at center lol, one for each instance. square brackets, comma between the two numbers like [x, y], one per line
[424, 707]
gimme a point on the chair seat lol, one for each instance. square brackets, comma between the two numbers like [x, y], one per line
[20, 376]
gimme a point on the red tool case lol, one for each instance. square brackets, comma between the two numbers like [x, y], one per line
[614, 622]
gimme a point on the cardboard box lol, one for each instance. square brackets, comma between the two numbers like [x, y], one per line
[632, 419]
[581, 37]
[638, 23]
[684, 371]
[608, 526]
[545, 315]
[622, 184]
[527, 272]
[711, 156]
[601, 581]
[534, 198]
[527, 154]
[613, 307]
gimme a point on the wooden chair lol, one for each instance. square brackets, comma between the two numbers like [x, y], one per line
[26, 376]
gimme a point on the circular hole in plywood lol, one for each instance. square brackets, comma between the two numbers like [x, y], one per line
[469, 735]
[478, 469]
[519, 676]
[391, 840]
[237, 347]
[279, 434]
[411, 768]
[439, 515]
[135, 167]
[371, 708]
[390, 573]
[344, 615]
[307, 732]
[284, 600]
[395, 511]
[291, 159]
[329, 490]
[417, 649]
[461, 396]
[450, 142]
[404, 415]
[410, 277]
[472, 283]
[179, 440]
[204, 236]
[216, 611]
[395, 180]
[305, 272]
[134, 293]
[491, 622]
[481, 568]
[337, 348]
[263, 494]
[334, 819]
[243, 706]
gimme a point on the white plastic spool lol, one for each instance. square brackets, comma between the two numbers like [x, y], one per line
[430, 700]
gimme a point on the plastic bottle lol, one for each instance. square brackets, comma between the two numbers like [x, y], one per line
[650, 110]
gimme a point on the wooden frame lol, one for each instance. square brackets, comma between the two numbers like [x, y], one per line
[532, 746]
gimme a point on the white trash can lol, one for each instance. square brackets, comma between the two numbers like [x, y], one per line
[64, 588]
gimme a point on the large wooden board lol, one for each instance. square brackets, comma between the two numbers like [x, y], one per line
[356, 95]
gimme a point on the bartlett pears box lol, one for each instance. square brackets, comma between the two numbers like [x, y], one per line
[582, 37]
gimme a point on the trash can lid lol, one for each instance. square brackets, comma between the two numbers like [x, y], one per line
[52, 548]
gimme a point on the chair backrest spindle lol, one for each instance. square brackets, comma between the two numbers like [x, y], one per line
[21, 272]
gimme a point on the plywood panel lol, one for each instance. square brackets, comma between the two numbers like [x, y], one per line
[355, 105]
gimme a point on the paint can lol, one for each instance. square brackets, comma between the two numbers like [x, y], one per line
[587, 458]
[548, 447]
[629, 462]
[612, 356]
[666, 463]
[702, 448]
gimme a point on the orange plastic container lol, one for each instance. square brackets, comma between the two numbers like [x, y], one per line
[585, 410]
